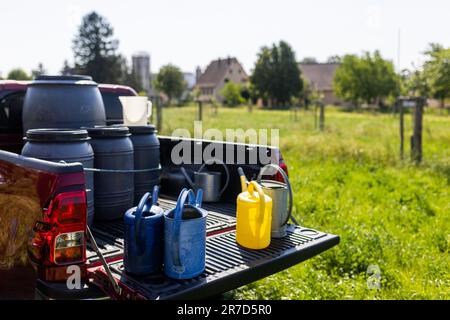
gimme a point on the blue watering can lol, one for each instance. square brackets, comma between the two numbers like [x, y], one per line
[185, 237]
[144, 226]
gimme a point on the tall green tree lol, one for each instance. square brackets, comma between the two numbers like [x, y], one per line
[334, 59]
[437, 72]
[39, 71]
[368, 78]
[95, 50]
[66, 69]
[276, 76]
[18, 74]
[309, 60]
[170, 81]
[414, 83]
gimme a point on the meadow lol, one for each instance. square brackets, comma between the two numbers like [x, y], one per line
[349, 180]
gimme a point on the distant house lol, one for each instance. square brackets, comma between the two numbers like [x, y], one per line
[320, 78]
[217, 74]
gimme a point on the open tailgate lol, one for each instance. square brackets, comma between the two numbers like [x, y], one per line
[228, 266]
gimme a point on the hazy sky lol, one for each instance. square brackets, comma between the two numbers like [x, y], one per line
[191, 33]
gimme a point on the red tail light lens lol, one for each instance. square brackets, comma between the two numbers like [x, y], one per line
[69, 208]
[282, 164]
[284, 167]
[60, 238]
[67, 213]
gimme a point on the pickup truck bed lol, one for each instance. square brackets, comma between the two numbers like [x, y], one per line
[28, 185]
[228, 266]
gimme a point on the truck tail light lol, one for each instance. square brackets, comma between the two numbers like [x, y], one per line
[60, 239]
[69, 247]
[282, 164]
[67, 213]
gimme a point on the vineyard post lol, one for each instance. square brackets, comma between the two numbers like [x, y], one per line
[200, 110]
[158, 113]
[416, 138]
[322, 116]
[402, 128]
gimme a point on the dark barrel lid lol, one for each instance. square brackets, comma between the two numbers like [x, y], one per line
[148, 129]
[70, 79]
[56, 135]
[108, 132]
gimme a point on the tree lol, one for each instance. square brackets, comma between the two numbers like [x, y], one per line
[415, 83]
[231, 94]
[18, 74]
[95, 50]
[39, 71]
[334, 59]
[66, 69]
[276, 76]
[170, 81]
[309, 60]
[437, 72]
[129, 78]
[368, 79]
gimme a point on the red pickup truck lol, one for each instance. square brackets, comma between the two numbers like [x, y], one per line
[42, 205]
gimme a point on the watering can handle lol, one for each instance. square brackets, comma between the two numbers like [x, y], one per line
[199, 198]
[227, 172]
[262, 198]
[286, 180]
[143, 203]
[178, 215]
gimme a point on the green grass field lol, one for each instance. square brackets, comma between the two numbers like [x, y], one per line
[349, 181]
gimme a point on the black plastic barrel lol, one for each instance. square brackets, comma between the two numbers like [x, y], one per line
[63, 102]
[64, 145]
[146, 157]
[114, 190]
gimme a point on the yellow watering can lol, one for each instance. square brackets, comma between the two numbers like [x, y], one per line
[254, 216]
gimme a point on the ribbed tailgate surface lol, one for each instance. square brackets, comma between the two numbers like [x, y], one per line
[229, 266]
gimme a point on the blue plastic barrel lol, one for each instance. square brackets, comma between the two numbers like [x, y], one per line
[114, 186]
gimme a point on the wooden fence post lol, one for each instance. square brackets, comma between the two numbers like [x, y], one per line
[158, 114]
[315, 116]
[215, 106]
[200, 110]
[152, 100]
[322, 116]
[416, 138]
[402, 128]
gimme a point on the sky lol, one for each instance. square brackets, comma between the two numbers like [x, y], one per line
[191, 33]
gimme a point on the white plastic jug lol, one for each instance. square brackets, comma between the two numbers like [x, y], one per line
[136, 110]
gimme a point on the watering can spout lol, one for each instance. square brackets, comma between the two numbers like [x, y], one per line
[243, 179]
[188, 179]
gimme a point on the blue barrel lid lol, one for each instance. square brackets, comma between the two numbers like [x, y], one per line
[108, 132]
[63, 80]
[56, 135]
[148, 129]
